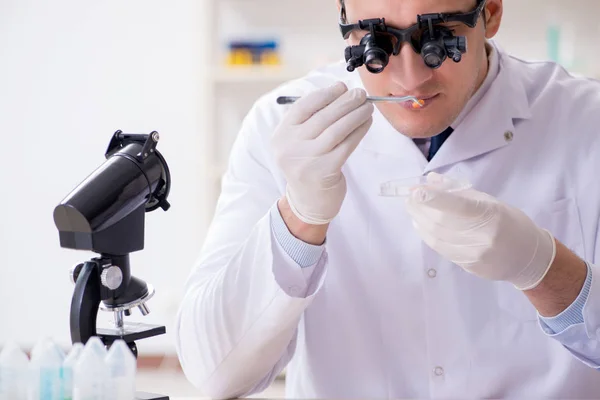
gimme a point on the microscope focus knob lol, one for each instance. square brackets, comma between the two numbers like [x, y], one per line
[74, 272]
[111, 277]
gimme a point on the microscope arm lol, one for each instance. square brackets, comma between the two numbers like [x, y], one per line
[85, 302]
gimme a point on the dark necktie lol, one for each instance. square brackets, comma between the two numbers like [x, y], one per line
[437, 142]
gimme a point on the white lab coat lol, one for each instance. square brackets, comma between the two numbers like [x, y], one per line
[380, 314]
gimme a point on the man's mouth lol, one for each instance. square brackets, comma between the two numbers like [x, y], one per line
[425, 100]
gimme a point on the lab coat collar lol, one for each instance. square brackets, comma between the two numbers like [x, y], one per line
[494, 67]
[488, 126]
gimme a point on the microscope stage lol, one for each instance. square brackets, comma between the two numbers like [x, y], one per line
[130, 332]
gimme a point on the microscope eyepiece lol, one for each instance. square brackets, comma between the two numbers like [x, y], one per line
[105, 212]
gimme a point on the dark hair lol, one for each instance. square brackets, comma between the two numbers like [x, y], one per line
[341, 3]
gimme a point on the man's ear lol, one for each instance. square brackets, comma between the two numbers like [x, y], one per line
[493, 17]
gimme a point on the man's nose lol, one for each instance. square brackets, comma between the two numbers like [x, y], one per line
[407, 69]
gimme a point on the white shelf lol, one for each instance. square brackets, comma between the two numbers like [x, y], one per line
[307, 33]
[256, 74]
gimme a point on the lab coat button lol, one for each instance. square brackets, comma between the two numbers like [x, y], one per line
[508, 136]
[432, 273]
[438, 371]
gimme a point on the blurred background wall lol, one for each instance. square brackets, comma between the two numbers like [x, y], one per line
[73, 72]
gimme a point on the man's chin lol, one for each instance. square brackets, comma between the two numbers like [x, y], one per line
[418, 125]
[420, 130]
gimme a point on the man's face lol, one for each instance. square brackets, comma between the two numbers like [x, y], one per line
[447, 89]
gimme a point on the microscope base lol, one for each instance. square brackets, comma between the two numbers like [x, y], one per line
[149, 396]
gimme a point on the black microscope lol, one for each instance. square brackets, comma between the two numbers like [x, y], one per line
[105, 214]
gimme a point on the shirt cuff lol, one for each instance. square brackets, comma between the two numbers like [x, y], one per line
[304, 254]
[573, 315]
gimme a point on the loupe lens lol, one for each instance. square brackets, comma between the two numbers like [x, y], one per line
[375, 66]
[433, 55]
[432, 60]
[376, 60]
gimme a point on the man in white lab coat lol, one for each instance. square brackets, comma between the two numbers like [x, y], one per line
[487, 292]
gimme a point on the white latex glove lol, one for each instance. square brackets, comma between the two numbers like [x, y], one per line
[312, 143]
[477, 232]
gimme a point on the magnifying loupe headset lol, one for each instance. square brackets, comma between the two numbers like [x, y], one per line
[434, 42]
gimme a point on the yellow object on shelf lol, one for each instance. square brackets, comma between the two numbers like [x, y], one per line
[253, 53]
[239, 57]
[270, 58]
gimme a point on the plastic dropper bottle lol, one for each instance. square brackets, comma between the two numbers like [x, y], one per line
[122, 365]
[67, 370]
[14, 373]
[39, 346]
[50, 362]
[33, 387]
[91, 375]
